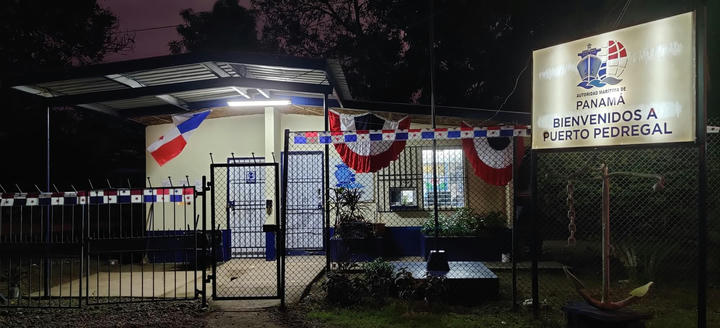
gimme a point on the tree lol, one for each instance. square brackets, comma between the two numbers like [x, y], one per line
[42, 34]
[37, 36]
[358, 33]
[228, 26]
[481, 46]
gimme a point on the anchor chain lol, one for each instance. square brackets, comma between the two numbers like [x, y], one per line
[572, 228]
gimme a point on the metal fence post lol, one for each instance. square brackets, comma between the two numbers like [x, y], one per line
[535, 253]
[326, 185]
[283, 219]
[213, 227]
[205, 250]
[513, 252]
[701, 103]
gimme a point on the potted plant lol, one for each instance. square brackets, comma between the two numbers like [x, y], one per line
[466, 235]
[354, 236]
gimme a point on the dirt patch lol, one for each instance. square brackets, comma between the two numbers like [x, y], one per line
[156, 314]
[255, 314]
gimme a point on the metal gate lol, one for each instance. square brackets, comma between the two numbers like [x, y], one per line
[244, 219]
[305, 211]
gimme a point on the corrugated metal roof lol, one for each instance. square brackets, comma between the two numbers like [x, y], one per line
[175, 74]
[79, 86]
[206, 94]
[134, 102]
[177, 82]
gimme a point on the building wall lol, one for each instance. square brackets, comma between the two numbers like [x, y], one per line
[244, 135]
[241, 135]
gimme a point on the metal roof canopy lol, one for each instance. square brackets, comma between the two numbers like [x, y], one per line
[179, 83]
[166, 85]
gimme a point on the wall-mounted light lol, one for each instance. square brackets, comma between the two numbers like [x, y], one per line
[280, 102]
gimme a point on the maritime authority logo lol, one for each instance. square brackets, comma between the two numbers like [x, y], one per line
[599, 67]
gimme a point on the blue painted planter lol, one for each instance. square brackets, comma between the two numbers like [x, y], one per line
[488, 247]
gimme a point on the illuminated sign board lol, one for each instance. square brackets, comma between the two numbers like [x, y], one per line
[631, 86]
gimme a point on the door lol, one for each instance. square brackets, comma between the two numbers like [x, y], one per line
[247, 209]
[305, 213]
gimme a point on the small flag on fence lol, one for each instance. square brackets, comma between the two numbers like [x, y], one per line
[58, 198]
[110, 197]
[124, 196]
[149, 196]
[188, 195]
[136, 196]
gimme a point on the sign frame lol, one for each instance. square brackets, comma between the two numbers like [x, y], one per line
[698, 97]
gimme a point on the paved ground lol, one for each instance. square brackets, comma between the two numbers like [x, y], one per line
[257, 277]
[244, 277]
[145, 281]
[236, 278]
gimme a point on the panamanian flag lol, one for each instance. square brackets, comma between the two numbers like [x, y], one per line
[369, 152]
[174, 141]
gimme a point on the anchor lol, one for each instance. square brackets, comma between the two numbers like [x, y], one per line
[636, 294]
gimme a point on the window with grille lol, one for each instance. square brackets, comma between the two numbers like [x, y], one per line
[451, 178]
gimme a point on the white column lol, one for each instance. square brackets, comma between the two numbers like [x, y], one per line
[272, 145]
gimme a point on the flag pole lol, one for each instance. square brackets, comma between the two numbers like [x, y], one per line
[437, 259]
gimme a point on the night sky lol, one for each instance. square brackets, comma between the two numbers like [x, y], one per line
[144, 14]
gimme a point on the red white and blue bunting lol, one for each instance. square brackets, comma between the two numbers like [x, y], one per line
[178, 196]
[492, 165]
[368, 152]
[343, 137]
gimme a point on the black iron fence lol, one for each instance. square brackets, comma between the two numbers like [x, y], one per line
[65, 249]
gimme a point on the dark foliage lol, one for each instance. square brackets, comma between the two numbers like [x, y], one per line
[228, 26]
[36, 36]
[350, 222]
[465, 222]
[342, 289]
[378, 280]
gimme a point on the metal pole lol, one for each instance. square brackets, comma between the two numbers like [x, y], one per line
[46, 261]
[283, 219]
[432, 117]
[204, 229]
[213, 229]
[606, 235]
[701, 102]
[535, 236]
[515, 207]
[326, 193]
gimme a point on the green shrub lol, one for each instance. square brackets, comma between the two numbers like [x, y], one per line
[464, 222]
[404, 284]
[378, 280]
[341, 289]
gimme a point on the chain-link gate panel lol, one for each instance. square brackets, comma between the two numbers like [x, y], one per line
[244, 218]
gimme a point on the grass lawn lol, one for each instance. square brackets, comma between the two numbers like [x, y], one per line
[396, 314]
[672, 306]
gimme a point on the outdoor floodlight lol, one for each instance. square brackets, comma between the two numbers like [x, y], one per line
[281, 102]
